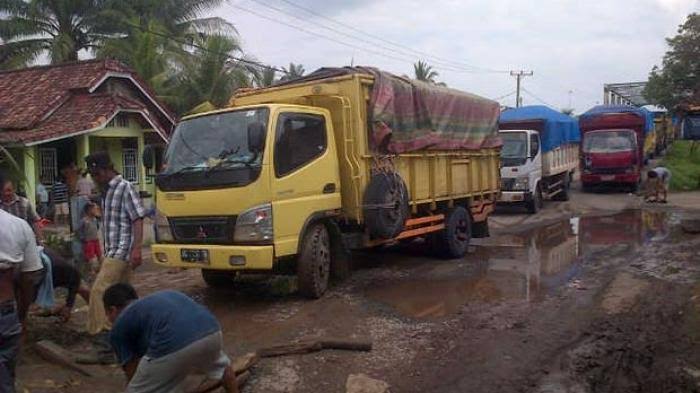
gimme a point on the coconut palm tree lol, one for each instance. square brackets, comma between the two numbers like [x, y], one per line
[209, 75]
[264, 77]
[424, 72]
[57, 28]
[294, 71]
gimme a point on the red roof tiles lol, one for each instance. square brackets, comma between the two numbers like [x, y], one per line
[48, 102]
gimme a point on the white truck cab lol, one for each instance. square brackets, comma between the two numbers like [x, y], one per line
[529, 175]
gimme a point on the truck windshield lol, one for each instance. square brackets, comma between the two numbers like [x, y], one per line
[514, 150]
[609, 141]
[212, 151]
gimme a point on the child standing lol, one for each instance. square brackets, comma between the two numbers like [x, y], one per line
[88, 234]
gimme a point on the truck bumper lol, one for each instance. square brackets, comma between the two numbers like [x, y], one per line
[514, 197]
[627, 178]
[219, 257]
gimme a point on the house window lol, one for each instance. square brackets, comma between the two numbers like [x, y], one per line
[120, 120]
[130, 165]
[48, 167]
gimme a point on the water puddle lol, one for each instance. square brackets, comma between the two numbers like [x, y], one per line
[527, 266]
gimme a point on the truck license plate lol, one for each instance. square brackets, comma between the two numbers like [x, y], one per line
[607, 178]
[194, 256]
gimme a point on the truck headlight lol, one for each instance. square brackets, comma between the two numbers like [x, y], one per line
[521, 183]
[254, 225]
[162, 227]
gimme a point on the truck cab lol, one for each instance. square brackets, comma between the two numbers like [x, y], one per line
[238, 184]
[610, 155]
[521, 167]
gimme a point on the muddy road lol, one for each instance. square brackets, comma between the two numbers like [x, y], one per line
[603, 297]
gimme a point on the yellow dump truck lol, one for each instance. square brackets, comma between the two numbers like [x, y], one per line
[288, 178]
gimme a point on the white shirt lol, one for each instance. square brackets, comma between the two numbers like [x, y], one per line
[42, 193]
[85, 186]
[17, 244]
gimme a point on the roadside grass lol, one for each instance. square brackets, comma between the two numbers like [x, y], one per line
[684, 166]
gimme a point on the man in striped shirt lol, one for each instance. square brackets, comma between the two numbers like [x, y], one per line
[122, 226]
[19, 207]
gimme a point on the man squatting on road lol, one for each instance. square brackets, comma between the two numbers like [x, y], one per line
[162, 338]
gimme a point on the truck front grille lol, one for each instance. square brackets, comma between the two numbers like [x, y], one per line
[203, 230]
[608, 171]
[508, 184]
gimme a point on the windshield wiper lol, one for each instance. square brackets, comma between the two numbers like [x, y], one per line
[247, 162]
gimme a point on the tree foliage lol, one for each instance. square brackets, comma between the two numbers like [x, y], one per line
[425, 72]
[294, 71]
[677, 81]
[57, 28]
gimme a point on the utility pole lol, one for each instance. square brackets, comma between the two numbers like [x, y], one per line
[518, 76]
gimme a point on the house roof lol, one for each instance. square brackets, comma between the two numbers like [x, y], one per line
[49, 102]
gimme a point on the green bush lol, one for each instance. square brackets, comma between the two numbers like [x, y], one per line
[684, 165]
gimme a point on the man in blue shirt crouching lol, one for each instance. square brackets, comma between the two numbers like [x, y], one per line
[161, 339]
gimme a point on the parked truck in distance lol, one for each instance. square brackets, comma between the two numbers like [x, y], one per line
[290, 177]
[612, 146]
[539, 155]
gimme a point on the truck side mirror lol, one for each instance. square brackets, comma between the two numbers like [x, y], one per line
[534, 147]
[149, 157]
[256, 137]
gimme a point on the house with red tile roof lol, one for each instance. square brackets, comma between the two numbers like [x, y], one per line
[51, 117]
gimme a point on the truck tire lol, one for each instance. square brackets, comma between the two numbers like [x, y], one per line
[314, 262]
[536, 203]
[453, 241]
[385, 205]
[218, 279]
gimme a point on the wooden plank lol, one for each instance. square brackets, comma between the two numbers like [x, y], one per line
[55, 354]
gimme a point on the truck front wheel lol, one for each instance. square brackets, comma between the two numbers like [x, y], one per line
[219, 279]
[314, 263]
[537, 201]
[453, 241]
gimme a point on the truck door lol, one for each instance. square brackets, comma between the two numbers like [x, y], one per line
[306, 178]
[536, 161]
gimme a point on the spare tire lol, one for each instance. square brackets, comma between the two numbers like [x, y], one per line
[385, 206]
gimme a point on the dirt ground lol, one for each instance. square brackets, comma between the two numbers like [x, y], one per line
[598, 294]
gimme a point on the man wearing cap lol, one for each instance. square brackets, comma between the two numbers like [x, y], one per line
[122, 223]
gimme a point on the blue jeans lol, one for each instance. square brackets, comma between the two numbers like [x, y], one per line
[10, 334]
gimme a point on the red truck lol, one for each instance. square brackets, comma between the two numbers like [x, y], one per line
[612, 145]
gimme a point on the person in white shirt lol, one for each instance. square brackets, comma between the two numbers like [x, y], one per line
[85, 186]
[658, 182]
[42, 199]
[18, 253]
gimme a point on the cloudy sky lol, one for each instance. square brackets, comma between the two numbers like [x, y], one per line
[572, 46]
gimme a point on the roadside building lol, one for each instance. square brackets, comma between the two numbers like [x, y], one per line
[51, 117]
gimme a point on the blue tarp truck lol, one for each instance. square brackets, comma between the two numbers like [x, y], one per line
[539, 155]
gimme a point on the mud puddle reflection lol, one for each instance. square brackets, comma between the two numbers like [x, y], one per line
[525, 266]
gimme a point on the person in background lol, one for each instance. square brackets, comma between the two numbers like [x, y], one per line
[42, 199]
[85, 186]
[60, 198]
[20, 207]
[162, 338]
[658, 181]
[88, 235]
[70, 174]
[19, 256]
[65, 275]
[122, 225]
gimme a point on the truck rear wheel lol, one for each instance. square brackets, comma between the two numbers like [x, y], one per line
[314, 263]
[385, 205]
[537, 201]
[453, 241]
[219, 279]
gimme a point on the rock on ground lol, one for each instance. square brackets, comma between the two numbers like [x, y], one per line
[361, 383]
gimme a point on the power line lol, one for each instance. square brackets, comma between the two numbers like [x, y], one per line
[344, 43]
[425, 55]
[205, 49]
[504, 96]
[538, 98]
[408, 55]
